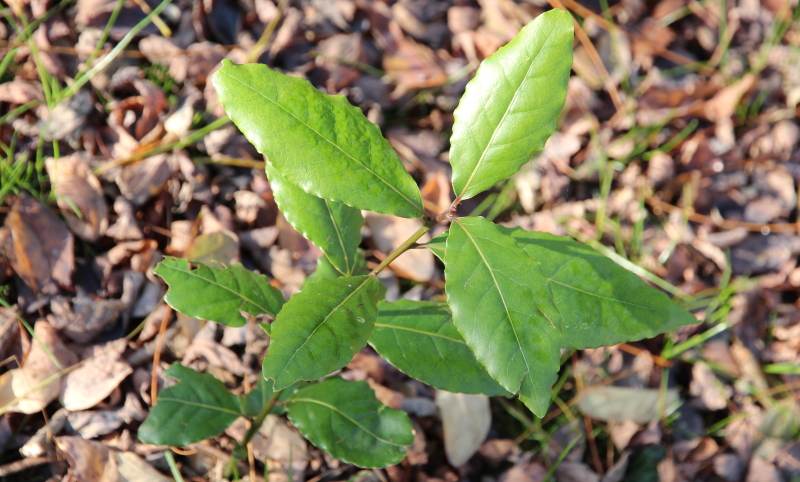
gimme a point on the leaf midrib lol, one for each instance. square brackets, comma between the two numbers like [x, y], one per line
[357, 161]
[215, 283]
[502, 298]
[428, 333]
[324, 320]
[505, 114]
[200, 405]
[339, 238]
[336, 409]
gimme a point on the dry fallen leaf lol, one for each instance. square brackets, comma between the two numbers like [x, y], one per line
[133, 468]
[97, 378]
[37, 367]
[706, 386]
[79, 196]
[86, 318]
[93, 423]
[89, 461]
[20, 92]
[279, 444]
[466, 420]
[142, 180]
[41, 250]
[216, 355]
[723, 104]
[619, 404]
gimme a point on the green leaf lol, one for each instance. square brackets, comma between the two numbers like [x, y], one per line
[511, 106]
[321, 328]
[346, 420]
[437, 245]
[601, 303]
[502, 306]
[197, 408]
[319, 142]
[218, 294]
[326, 270]
[419, 339]
[332, 227]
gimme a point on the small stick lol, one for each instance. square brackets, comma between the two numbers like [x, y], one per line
[24, 464]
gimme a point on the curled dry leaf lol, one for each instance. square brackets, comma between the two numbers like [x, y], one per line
[89, 461]
[79, 196]
[125, 228]
[133, 468]
[142, 180]
[412, 65]
[466, 420]
[41, 247]
[86, 318]
[216, 354]
[97, 378]
[20, 92]
[67, 118]
[37, 367]
[93, 423]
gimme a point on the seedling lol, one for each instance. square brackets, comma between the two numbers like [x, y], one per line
[515, 298]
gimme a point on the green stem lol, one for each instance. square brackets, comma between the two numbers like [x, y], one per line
[405, 246]
[260, 419]
[103, 36]
[173, 467]
[194, 136]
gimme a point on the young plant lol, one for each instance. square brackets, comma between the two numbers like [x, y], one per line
[515, 298]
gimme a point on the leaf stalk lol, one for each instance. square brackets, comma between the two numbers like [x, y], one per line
[408, 243]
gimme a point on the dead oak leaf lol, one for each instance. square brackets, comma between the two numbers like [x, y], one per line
[41, 246]
[100, 375]
[37, 369]
[79, 196]
[89, 461]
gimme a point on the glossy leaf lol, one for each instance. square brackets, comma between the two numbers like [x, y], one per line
[601, 303]
[321, 328]
[326, 270]
[438, 244]
[346, 420]
[511, 106]
[419, 338]
[318, 142]
[218, 294]
[503, 307]
[197, 408]
[332, 227]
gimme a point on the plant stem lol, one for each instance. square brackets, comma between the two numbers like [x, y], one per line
[259, 419]
[173, 467]
[405, 246]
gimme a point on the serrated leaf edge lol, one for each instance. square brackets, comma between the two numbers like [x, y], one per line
[214, 282]
[421, 211]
